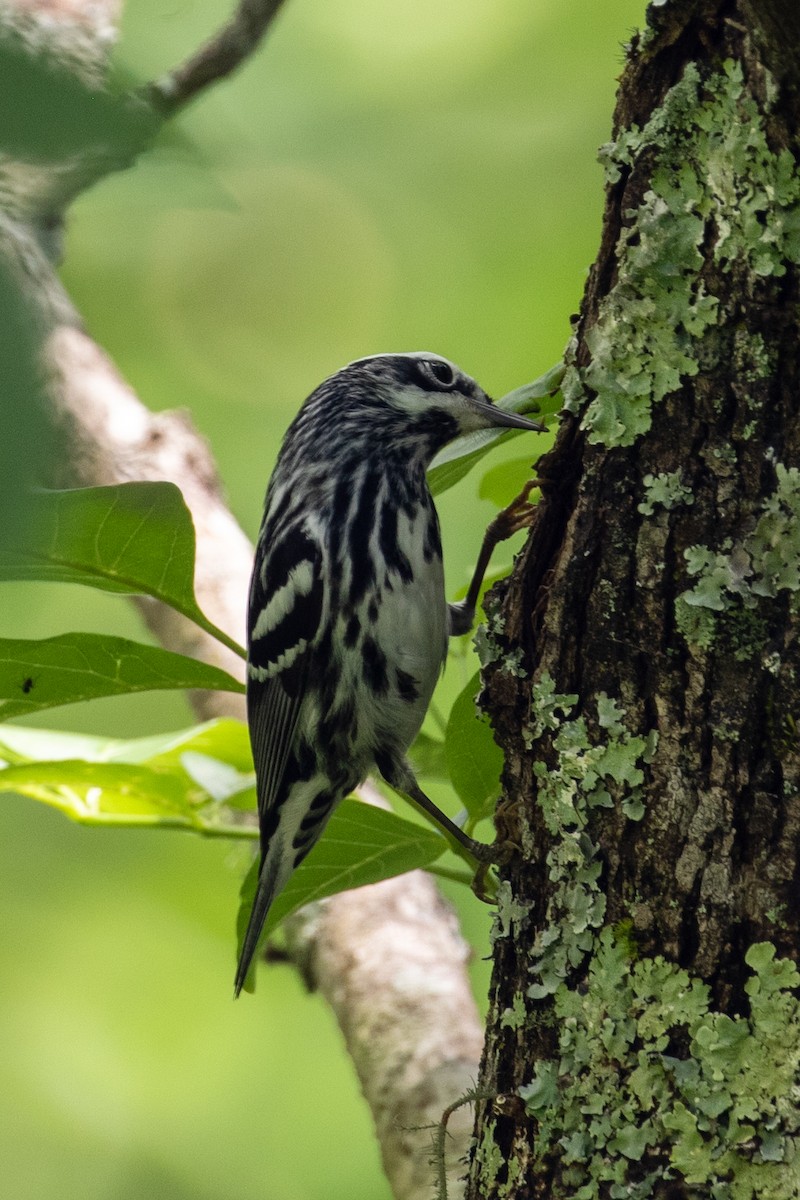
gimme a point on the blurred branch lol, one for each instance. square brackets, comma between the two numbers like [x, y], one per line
[389, 959]
[64, 129]
[113, 438]
[220, 56]
[78, 35]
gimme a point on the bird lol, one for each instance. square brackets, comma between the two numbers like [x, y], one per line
[348, 622]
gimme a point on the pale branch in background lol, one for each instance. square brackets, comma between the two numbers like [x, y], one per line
[389, 959]
[77, 35]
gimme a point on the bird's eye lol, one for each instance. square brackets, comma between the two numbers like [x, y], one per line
[439, 373]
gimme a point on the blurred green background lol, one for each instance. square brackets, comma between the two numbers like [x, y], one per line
[381, 176]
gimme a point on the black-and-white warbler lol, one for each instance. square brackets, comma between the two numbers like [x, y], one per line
[348, 622]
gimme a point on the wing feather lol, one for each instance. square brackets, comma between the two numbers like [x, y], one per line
[287, 599]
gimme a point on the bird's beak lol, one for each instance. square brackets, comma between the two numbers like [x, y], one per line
[493, 416]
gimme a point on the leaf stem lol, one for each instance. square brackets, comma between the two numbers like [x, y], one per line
[451, 873]
[130, 821]
[199, 619]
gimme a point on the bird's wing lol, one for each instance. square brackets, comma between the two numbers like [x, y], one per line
[287, 598]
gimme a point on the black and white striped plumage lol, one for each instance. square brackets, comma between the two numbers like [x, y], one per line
[348, 622]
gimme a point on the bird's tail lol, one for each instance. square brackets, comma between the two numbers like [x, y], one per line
[270, 881]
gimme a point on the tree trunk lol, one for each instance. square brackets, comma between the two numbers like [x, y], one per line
[644, 1033]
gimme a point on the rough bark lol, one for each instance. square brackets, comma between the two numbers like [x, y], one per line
[651, 795]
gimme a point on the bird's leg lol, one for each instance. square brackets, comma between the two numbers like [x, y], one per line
[515, 516]
[508, 521]
[480, 851]
[485, 856]
[398, 774]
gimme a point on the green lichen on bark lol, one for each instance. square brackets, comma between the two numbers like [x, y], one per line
[516, 1015]
[494, 1165]
[591, 771]
[510, 915]
[714, 179]
[730, 582]
[652, 1084]
[664, 490]
[488, 1154]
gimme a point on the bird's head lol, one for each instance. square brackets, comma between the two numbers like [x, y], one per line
[406, 405]
[421, 396]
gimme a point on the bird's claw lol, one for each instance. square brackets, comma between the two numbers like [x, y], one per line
[484, 883]
[516, 515]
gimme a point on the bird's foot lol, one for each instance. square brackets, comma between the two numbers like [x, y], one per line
[515, 516]
[484, 884]
[482, 852]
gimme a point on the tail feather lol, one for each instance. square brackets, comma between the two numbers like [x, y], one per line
[270, 881]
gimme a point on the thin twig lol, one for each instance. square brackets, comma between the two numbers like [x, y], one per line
[220, 56]
[439, 1159]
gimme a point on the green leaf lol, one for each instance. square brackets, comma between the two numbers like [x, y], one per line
[51, 113]
[108, 793]
[489, 580]
[223, 738]
[474, 759]
[136, 538]
[361, 844]
[29, 448]
[156, 781]
[428, 756]
[82, 666]
[458, 458]
[453, 462]
[504, 481]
